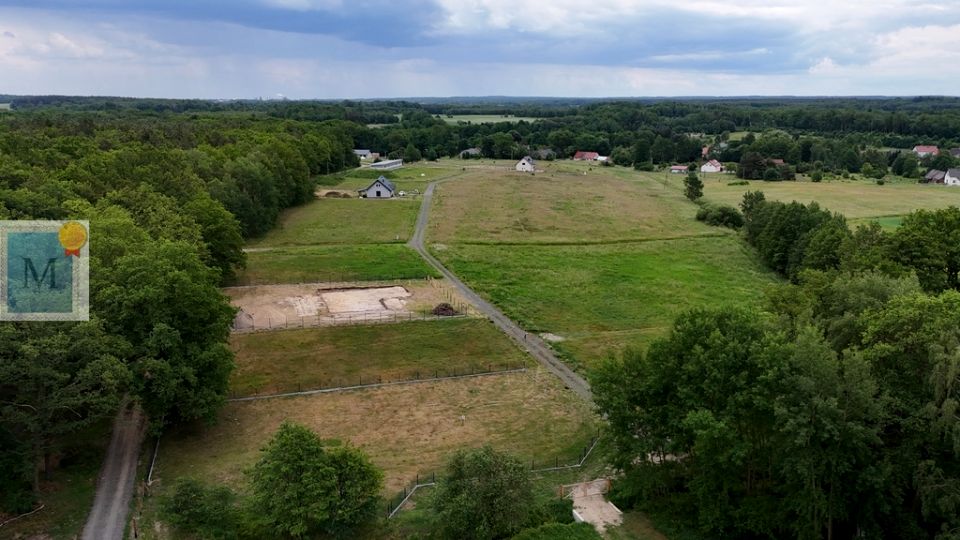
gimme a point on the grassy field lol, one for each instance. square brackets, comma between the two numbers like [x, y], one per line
[283, 361]
[485, 118]
[600, 298]
[311, 264]
[567, 203]
[853, 199]
[343, 221]
[404, 432]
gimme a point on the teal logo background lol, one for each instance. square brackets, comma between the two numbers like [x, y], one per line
[39, 275]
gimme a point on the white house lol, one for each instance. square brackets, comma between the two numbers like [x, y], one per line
[387, 165]
[952, 178]
[679, 169]
[526, 165]
[381, 188]
[711, 166]
[362, 154]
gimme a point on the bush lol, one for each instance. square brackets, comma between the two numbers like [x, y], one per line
[556, 531]
[720, 216]
[881, 182]
[771, 174]
[816, 176]
[739, 183]
[644, 166]
[209, 512]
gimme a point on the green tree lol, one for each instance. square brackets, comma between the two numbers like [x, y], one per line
[300, 489]
[411, 153]
[693, 186]
[928, 241]
[483, 494]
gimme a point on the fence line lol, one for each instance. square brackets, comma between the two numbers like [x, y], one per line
[395, 503]
[380, 383]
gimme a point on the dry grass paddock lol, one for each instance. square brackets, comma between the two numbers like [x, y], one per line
[405, 430]
[568, 202]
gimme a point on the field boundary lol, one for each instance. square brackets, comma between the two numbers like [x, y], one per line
[380, 384]
[617, 241]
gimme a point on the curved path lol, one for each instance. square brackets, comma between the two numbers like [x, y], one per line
[530, 342]
[111, 504]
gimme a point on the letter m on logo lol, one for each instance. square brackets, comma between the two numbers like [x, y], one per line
[30, 271]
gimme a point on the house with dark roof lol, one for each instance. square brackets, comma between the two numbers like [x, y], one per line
[585, 156]
[923, 150]
[934, 176]
[952, 178]
[381, 188]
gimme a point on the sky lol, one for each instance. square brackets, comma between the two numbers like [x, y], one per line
[303, 49]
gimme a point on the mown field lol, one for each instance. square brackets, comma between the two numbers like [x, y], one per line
[603, 257]
[310, 264]
[854, 199]
[270, 362]
[600, 298]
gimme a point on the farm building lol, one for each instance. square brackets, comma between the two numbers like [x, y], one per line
[585, 156]
[388, 165]
[711, 166]
[934, 176]
[679, 169]
[526, 165]
[381, 188]
[952, 178]
[924, 151]
[363, 154]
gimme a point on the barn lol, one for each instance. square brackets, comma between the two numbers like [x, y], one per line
[381, 188]
[526, 165]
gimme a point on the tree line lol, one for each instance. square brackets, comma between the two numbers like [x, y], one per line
[170, 199]
[828, 412]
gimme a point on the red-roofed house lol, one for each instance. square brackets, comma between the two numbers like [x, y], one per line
[777, 161]
[679, 169]
[711, 166]
[586, 156]
[924, 151]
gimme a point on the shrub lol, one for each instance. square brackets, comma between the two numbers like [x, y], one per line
[881, 182]
[739, 183]
[720, 216]
[816, 176]
[771, 174]
[209, 512]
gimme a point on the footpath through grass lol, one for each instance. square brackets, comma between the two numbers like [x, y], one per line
[273, 362]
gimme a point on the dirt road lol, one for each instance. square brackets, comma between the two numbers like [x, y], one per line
[530, 342]
[111, 504]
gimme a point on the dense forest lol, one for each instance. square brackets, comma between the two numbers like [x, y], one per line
[170, 198]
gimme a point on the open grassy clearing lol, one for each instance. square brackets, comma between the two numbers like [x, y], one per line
[270, 362]
[560, 205]
[343, 221]
[603, 297]
[853, 199]
[404, 432]
[310, 264]
[484, 118]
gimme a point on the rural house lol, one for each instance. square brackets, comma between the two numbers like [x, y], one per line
[711, 166]
[363, 154]
[934, 176]
[585, 156]
[526, 165]
[952, 178]
[924, 151]
[679, 169]
[381, 188]
[387, 165]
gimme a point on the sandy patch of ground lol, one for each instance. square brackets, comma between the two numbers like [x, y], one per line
[590, 504]
[552, 338]
[320, 304]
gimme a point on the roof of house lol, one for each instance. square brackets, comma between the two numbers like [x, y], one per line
[955, 173]
[586, 155]
[383, 180]
[678, 167]
[777, 161]
[925, 148]
[527, 158]
[934, 174]
[361, 152]
[386, 163]
[714, 163]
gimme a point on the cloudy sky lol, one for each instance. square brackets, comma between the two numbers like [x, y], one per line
[396, 48]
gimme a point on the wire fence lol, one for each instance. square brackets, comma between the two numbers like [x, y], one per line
[395, 503]
[372, 380]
